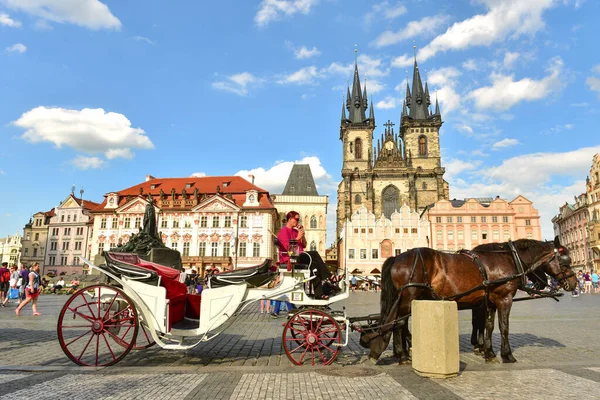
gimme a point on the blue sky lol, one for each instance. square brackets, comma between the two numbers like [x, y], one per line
[99, 93]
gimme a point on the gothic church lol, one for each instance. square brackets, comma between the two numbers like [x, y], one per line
[402, 168]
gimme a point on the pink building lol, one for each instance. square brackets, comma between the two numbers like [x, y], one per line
[570, 225]
[464, 224]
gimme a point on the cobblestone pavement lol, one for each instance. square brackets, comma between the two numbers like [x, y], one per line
[556, 345]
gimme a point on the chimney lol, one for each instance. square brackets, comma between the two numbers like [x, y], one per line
[148, 177]
[251, 176]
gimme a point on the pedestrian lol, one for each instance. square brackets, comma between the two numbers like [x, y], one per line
[353, 285]
[58, 285]
[580, 282]
[265, 306]
[4, 282]
[588, 282]
[32, 291]
[24, 272]
[182, 275]
[191, 282]
[13, 290]
[595, 281]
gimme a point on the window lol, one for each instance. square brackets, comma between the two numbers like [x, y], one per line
[52, 260]
[423, 146]
[474, 235]
[256, 250]
[390, 198]
[473, 220]
[494, 219]
[405, 230]
[505, 220]
[74, 217]
[313, 222]
[163, 223]
[67, 231]
[203, 221]
[138, 222]
[397, 252]
[357, 199]
[76, 260]
[459, 220]
[65, 246]
[374, 254]
[127, 223]
[358, 149]
[370, 230]
[506, 235]
[313, 246]
[243, 222]
[36, 237]
[438, 235]
[460, 235]
[226, 249]
[351, 254]
[77, 245]
[450, 235]
[100, 248]
[529, 235]
[496, 234]
[363, 230]
[215, 221]
[103, 223]
[527, 222]
[62, 218]
[397, 230]
[424, 186]
[202, 249]
[35, 251]
[484, 235]
[449, 220]
[355, 230]
[363, 254]
[113, 245]
[63, 260]
[176, 222]
[483, 219]
[187, 223]
[186, 249]
[174, 245]
[38, 222]
[26, 251]
[68, 218]
[242, 251]
[227, 221]
[438, 220]
[413, 230]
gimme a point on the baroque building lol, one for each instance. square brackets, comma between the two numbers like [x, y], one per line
[465, 224]
[570, 225]
[209, 220]
[300, 194]
[403, 167]
[35, 236]
[10, 249]
[69, 234]
[593, 200]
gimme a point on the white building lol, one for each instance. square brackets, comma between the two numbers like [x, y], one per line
[10, 249]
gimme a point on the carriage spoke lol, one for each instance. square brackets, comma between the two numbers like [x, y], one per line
[86, 346]
[110, 306]
[77, 326]
[97, 344]
[108, 345]
[77, 338]
[86, 317]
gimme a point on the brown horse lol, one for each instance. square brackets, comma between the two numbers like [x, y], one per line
[488, 276]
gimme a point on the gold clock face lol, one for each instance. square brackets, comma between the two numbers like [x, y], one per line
[389, 145]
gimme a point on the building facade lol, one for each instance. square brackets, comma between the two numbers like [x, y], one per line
[10, 249]
[570, 225]
[593, 200]
[209, 220]
[368, 240]
[300, 194]
[69, 235]
[35, 237]
[403, 168]
[465, 224]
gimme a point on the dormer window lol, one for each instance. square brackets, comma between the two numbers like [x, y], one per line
[225, 184]
[188, 185]
[152, 186]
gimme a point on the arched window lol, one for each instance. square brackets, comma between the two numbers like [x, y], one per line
[313, 246]
[390, 198]
[313, 222]
[358, 149]
[357, 199]
[424, 185]
[422, 146]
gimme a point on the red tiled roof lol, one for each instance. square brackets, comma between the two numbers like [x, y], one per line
[228, 185]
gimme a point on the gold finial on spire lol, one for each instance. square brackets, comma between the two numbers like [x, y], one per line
[415, 51]
[355, 53]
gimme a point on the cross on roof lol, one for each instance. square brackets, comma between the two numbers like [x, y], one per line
[388, 125]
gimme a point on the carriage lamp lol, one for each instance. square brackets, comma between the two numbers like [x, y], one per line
[293, 253]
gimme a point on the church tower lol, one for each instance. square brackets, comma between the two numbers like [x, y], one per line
[356, 134]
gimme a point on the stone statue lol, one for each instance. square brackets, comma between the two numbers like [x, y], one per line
[150, 219]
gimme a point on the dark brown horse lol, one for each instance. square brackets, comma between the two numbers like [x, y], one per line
[487, 277]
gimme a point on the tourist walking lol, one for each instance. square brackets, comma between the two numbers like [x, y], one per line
[24, 272]
[588, 282]
[32, 291]
[4, 282]
[595, 281]
[13, 289]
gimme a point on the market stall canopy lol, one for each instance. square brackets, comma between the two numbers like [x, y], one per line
[376, 271]
[356, 271]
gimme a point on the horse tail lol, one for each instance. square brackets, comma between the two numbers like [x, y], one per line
[388, 291]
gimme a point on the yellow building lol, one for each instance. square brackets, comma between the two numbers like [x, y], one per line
[593, 200]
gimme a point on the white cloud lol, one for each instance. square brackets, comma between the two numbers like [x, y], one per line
[455, 167]
[91, 14]
[385, 10]
[504, 143]
[465, 128]
[272, 10]
[304, 76]
[593, 82]
[304, 53]
[442, 84]
[143, 39]
[2, 172]
[119, 153]
[470, 65]
[199, 174]
[238, 83]
[88, 130]
[425, 27]
[504, 19]
[509, 59]
[83, 162]
[387, 103]
[6, 20]
[505, 92]
[17, 48]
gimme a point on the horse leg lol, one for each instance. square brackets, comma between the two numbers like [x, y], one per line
[478, 323]
[397, 341]
[488, 350]
[503, 315]
[406, 344]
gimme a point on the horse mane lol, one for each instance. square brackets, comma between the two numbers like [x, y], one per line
[520, 244]
[388, 291]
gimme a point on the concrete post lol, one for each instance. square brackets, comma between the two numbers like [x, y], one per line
[435, 348]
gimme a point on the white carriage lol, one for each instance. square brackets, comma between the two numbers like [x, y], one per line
[144, 303]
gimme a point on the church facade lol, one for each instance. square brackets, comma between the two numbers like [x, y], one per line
[401, 168]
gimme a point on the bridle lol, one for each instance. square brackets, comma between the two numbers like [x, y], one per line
[564, 262]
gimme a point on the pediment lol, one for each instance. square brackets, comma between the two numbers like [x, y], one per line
[137, 205]
[216, 204]
[70, 203]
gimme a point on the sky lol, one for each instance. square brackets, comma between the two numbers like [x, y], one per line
[100, 93]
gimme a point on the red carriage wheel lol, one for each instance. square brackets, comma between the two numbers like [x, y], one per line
[311, 336]
[144, 338]
[97, 326]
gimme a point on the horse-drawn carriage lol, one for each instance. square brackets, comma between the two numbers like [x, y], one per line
[145, 303]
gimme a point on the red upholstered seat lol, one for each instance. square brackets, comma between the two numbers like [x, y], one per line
[176, 291]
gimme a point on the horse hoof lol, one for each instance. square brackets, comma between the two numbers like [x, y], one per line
[492, 360]
[508, 359]
[368, 361]
[405, 362]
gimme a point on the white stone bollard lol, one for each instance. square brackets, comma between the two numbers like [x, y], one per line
[435, 347]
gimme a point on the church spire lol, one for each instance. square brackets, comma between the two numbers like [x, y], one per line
[343, 114]
[357, 101]
[437, 106]
[418, 99]
[371, 113]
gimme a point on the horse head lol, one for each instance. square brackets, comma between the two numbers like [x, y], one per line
[559, 267]
[375, 341]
